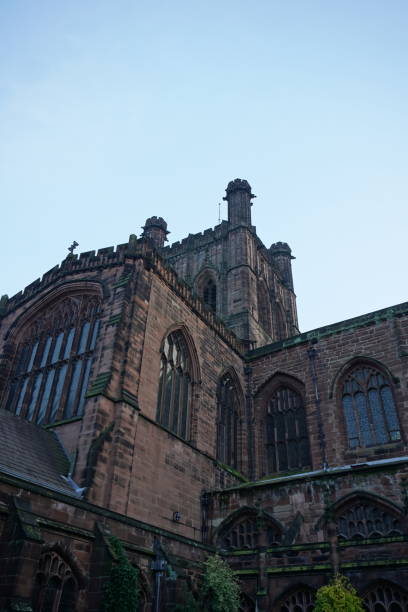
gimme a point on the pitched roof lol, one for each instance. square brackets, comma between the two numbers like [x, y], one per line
[29, 452]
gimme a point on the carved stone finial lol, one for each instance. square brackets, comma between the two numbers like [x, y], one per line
[72, 248]
[239, 185]
[155, 229]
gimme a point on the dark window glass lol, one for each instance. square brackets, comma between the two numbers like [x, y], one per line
[53, 361]
[227, 421]
[250, 532]
[301, 600]
[287, 440]
[363, 520]
[173, 402]
[385, 597]
[369, 408]
[210, 294]
[57, 588]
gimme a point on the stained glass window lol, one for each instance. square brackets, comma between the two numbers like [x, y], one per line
[250, 531]
[227, 421]
[287, 440]
[369, 408]
[174, 398]
[53, 361]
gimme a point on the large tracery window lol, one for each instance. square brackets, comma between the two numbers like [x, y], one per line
[385, 597]
[174, 399]
[227, 421]
[57, 587]
[364, 520]
[369, 408]
[287, 439]
[53, 361]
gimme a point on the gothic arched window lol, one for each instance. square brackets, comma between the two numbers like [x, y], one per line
[298, 600]
[174, 399]
[53, 361]
[57, 588]
[287, 439]
[250, 531]
[210, 294]
[364, 519]
[369, 408]
[227, 421]
[385, 597]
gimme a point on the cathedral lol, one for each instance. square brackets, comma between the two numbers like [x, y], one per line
[164, 395]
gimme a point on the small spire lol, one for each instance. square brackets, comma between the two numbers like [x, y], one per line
[72, 248]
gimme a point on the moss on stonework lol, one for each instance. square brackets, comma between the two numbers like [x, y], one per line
[233, 472]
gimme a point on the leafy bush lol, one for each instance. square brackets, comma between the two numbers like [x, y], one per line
[122, 590]
[220, 588]
[338, 596]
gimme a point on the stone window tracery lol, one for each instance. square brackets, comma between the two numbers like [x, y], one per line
[175, 382]
[369, 408]
[57, 587]
[365, 520]
[249, 532]
[227, 421]
[53, 361]
[385, 597]
[287, 441]
[300, 600]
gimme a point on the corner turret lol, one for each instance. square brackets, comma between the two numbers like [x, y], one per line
[239, 198]
[155, 228]
[281, 256]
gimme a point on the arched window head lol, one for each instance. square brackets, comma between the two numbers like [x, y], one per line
[57, 587]
[297, 600]
[385, 597]
[287, 440]
[227, 421]
[174, 399]
[369, 408]
[364, 519]
[210, 294]
[249, 530]
[53, 360]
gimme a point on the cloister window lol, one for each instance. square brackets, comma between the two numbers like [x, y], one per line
[249, 532]
[53, 361]
[57, 587]
[300, 600]
[210, 294]
[287, 440]
[369, 408]
[364, 520]
[174, 399]
[227, 421]
[385, 597]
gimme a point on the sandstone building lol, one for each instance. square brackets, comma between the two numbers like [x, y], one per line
[164, 394]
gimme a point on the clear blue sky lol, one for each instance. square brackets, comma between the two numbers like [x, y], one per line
[113, 111]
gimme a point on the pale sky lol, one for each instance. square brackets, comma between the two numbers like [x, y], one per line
[111, 112]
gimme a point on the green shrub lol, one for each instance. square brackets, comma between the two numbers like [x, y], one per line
[220, 588]
[338, 596]
[122, 589]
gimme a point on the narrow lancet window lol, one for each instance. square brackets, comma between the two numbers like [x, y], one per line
[227, 421]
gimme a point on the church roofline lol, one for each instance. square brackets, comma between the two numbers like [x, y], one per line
[366, 320]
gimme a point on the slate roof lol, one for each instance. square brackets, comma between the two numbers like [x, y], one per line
[33, 454]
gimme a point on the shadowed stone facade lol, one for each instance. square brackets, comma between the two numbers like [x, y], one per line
[195, 417]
